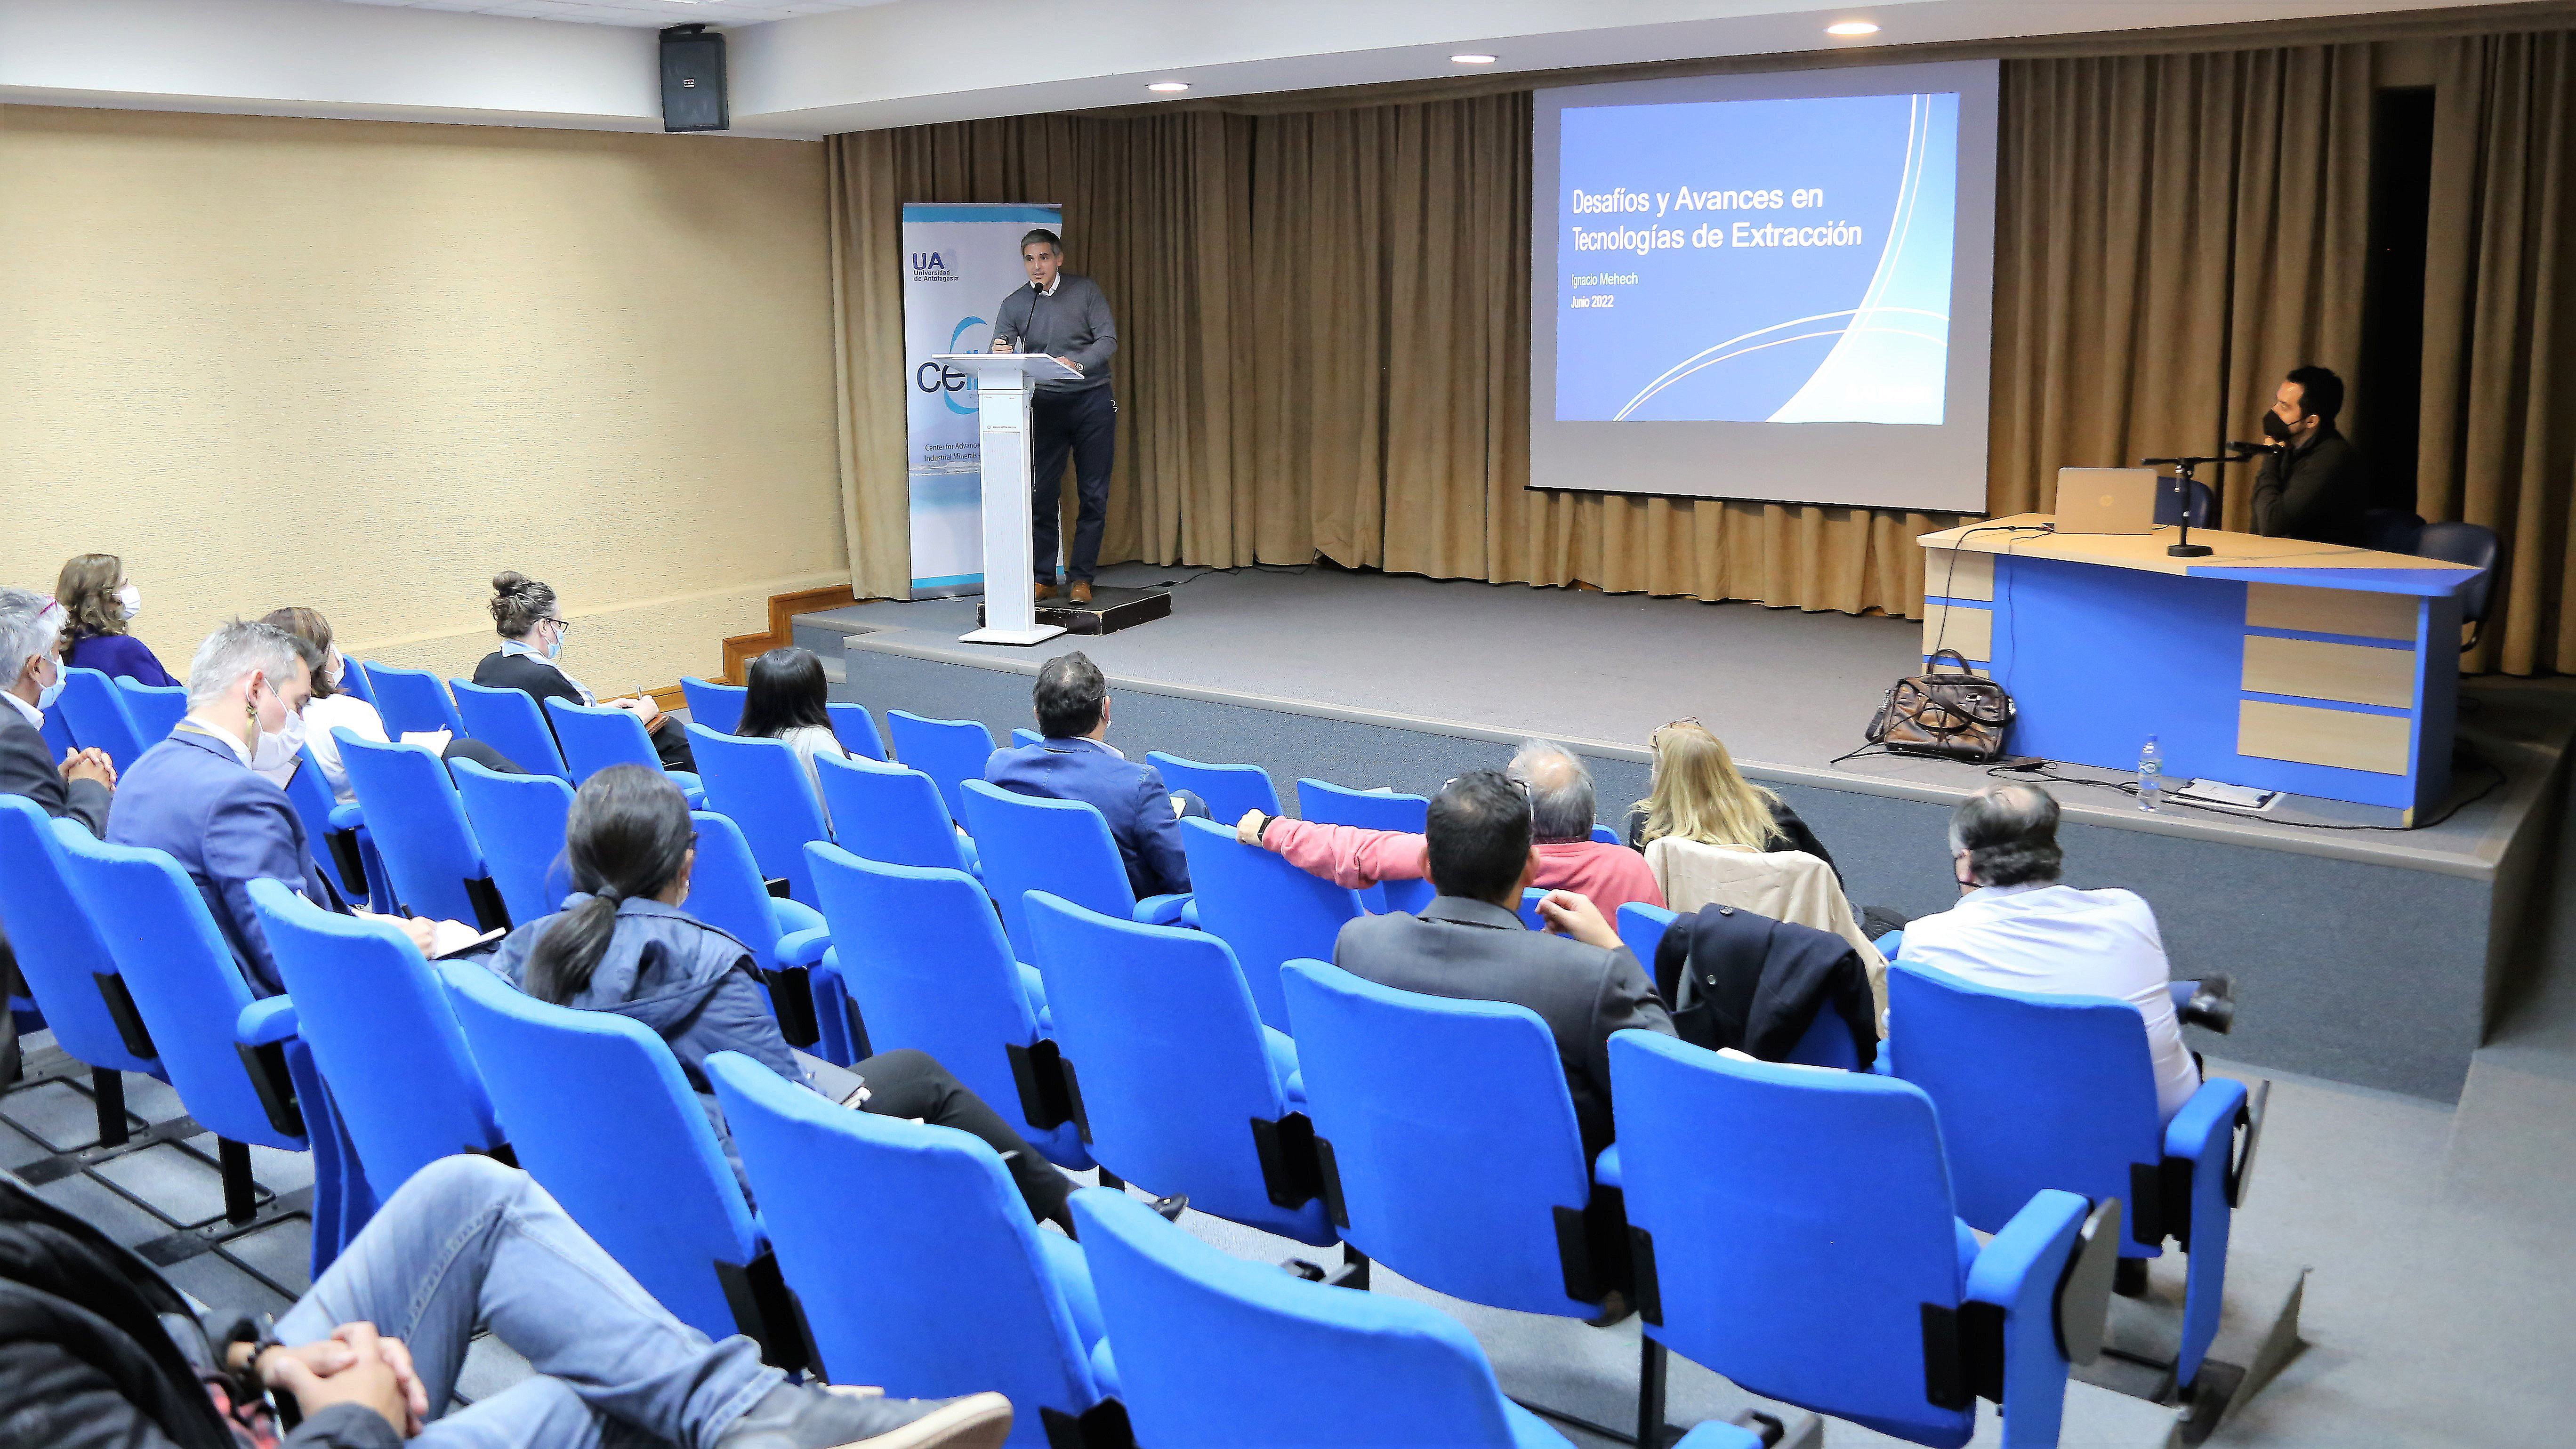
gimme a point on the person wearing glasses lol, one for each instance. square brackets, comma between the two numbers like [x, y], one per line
[530, 660]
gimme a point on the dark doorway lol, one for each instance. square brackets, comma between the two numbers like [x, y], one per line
[2389, 392]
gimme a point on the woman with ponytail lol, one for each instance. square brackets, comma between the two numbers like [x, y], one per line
[622, 943]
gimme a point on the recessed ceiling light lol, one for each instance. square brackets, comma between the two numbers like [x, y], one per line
[1851, 27]
[1473, 59]
[1168, 87]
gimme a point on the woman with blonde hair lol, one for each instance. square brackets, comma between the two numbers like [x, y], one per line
[99, 601]
[1696, 793]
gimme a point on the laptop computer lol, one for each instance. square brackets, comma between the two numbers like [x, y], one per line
[2106, 500]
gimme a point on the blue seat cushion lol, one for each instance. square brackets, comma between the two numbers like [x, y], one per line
[1969, 1247]
[1035, 984]
[1283, 1064]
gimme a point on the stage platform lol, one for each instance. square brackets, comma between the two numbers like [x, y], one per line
[2363, 953]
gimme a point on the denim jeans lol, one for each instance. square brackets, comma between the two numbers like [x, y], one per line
[468, 1241]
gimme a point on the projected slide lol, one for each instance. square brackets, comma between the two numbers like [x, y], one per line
[1769, 287]
[1757, 261]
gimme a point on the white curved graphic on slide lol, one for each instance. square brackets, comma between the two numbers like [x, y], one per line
[1711, 356]
[1880, 375]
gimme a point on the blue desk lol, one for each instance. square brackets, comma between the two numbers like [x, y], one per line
[2273, 662]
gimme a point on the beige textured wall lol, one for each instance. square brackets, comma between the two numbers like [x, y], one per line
[364, 365]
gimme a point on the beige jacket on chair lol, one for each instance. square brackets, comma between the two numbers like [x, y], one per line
[1786, 885]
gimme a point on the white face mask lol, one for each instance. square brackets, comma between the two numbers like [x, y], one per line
[335, 670]
[276, 747]
[130, 598]
[46, 694]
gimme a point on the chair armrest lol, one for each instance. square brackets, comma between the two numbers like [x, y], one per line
[1160, 910]
[347, 817]
[1190, 914]
[792, 916]
[974, 857]
[267, 1022]
[1713, 1435]
[2203, 1134]
[2020, 1272]
[804, 948]
[1605, 1168]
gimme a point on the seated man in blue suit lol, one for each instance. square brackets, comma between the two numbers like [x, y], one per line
[1073, 763]
[198, 795]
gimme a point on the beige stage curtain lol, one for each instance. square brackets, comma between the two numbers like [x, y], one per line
[2499, 442]
[1324, 319]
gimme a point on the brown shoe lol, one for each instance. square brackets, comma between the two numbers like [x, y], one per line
[1046, 591]
[1081, 591]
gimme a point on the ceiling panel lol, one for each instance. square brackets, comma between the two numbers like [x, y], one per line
[649, 13]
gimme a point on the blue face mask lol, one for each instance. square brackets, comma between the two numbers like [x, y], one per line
[554, 646]
[46, 696]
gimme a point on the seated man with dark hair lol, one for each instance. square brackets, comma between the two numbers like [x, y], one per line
[2016, 929]
[1470, 945]
[2315, 487]
[1075, 762]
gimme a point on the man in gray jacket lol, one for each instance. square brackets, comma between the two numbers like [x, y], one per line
[1065, 317]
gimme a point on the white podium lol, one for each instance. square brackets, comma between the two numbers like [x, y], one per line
[1005, 385]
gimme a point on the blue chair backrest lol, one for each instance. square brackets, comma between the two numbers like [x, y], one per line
[1332, 804]
[1268, 910]
[311, 796]
[926, 962]
[595, 736]
[418, 825]
[764, 787]
[1169, 1056]
[717, 706]
[353, 680]
[1034, 844]
[948, 1251]
[382, 1032]
[95, 709]
[2034, 1091]
[59, 951]
[2391, 530]
[595, 1107]
[2170, 508]
[1220, 1353]
[509, 721]
[1024, 738]
[1641, 930]
[412, 701]
[58, 733]
[950, 751]
[1229, 790]
[2473, 544]
[156, 709]
[518, 822]
[856, 729]
[1801, 1223]
[890, 813]
[727, 890]
[1454, 1134]
[185, 983]
[1826, 1042]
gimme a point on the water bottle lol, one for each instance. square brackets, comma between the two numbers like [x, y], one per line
[2151, 776]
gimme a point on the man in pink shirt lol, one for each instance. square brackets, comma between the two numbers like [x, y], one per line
[1561, 816]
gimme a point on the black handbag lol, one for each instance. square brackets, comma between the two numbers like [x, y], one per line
[1958, 716]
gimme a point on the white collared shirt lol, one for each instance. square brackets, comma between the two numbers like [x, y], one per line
[520, 648]
[2065, 942]
[34, 715]
[240, 751]
[1049, 289]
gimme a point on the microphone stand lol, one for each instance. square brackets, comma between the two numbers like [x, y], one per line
[2183, 466]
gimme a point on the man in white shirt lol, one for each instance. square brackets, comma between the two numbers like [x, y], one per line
[2015, 928]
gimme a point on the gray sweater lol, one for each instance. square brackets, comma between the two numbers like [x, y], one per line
[1074, 323]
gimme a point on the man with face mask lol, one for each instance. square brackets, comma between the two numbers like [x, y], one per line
[200, 797]
[2316, 487]
[31, 674]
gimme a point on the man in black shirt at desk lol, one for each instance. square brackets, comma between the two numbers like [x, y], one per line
[2315, 487]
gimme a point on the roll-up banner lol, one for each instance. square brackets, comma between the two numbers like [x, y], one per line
[960, 261]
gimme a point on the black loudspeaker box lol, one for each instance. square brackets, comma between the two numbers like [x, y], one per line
[693, 80]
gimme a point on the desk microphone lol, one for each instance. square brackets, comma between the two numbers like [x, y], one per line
[2250, 449]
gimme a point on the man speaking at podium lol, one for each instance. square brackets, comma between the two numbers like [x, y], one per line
[1065, 317]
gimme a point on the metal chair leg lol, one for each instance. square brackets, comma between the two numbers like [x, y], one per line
[107, 1092]
[241, 1195]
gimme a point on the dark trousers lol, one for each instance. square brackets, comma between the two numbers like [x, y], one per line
[671, 742]
[461, 748]
[908, 1083]
[1083, 424]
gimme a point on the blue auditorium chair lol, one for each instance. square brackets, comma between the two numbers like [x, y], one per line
[595, 1108]
[95, 710]
[856, 729]
[2473, 544]
[764, 788]
[518, 820]
[412, 701]
[1021, 738]
[2170, 508]
[336, 836]
[66, 966]
[1604, 835]
[353, 680]
[787, 938]
[596, 736]
[950, 751]
[58, 733]
[1454, 1155]
[915, 1259]
[382, 1033]
[1031, 843]
[920, 955]
[892, 814]
[431, 857]
[1229, 790]
[155, 709]
[509, 721]
[717, 706]
[1177, 1085]
[2038, 1091]
[1330, 804]
[1268, 910]
[1794, 1231]
[1219, 1353]
[237, 1063]
[1827, 1041]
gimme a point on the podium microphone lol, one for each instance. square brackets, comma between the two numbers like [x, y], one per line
[2249, 449]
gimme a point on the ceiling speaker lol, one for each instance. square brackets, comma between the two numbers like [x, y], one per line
[693, 80]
